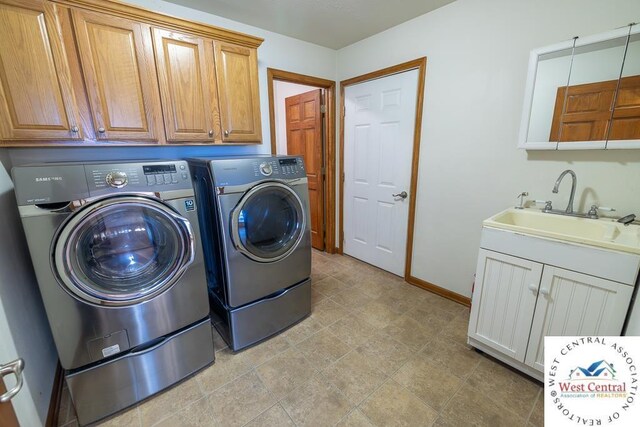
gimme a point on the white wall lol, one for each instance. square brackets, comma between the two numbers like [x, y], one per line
[282, 91]
[477, 54]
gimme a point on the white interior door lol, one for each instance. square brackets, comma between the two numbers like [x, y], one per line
[378, 145]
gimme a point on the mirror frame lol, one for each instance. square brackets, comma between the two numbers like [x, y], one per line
[574, 43]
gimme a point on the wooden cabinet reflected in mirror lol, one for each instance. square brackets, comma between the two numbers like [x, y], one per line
[583, 108]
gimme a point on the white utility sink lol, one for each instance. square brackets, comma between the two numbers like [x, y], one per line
[604, 232]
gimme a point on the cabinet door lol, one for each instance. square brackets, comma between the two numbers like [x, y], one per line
[572, 303]
[503, 301]
[237, 76]
[120, 76]
[36, 97]
[186, 77]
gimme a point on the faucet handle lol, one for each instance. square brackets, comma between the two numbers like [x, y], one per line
[593, 212]
[547, 205]
[521, 196]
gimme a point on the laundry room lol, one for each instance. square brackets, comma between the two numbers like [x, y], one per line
[268, 212]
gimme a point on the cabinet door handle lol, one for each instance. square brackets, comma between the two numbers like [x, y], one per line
[533, 288]
[75, 129]
[545, 291]
[101, 130]
[210, 133]
[226, 133]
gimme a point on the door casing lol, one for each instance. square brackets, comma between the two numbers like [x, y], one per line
[329, 151]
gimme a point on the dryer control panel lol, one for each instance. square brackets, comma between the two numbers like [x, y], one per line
[281, 168]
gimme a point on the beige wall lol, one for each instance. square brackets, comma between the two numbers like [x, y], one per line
[477, 54]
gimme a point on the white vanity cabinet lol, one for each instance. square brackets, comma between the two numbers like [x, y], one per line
[518, 300]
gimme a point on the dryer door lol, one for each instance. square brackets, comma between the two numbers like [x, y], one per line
[268, 222]
[122, 250]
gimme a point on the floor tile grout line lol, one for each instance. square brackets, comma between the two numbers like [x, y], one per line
[535, 402]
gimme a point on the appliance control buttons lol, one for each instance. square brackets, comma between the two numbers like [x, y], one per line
[266, 169]
[182, 167]
[184, 175]
[116, 179]
[151, 180]
[174, 178]
[167, 178]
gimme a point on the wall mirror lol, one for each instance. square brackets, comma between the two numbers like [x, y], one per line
[572, 88]
[551, 68]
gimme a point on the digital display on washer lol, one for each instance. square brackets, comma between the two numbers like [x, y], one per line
[288, 161]
[156, 169]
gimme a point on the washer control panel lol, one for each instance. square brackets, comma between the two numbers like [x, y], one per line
[147, 176]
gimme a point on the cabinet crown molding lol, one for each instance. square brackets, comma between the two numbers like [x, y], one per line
[124, 10]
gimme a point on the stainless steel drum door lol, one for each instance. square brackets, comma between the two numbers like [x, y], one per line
[122, 251]
[268, 222]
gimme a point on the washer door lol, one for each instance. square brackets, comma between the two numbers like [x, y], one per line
[268, 222]
[122, 251]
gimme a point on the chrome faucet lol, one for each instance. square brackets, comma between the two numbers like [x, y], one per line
[569, 209]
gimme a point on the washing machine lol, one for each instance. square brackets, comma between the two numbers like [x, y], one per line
[254, 219]
[118, 259]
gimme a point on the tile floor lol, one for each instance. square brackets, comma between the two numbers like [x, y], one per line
[374, 352]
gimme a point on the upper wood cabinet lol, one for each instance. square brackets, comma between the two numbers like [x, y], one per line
[100, 70]
[36, 97]
[119, 72]
[187, 83]
[237, 77]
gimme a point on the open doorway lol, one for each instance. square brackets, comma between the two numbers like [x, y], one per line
[302, 123]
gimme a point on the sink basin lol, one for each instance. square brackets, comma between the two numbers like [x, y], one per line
[604, 232]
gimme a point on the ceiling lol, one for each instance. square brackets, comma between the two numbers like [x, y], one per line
[331, 23]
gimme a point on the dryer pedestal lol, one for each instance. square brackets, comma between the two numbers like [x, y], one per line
[111, 386]
[247, 325]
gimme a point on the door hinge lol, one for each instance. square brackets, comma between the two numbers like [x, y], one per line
[323, 109]
[342, 176]
[323, 172]
[344, 111]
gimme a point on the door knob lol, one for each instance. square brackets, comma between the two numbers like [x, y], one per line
[14, 368]
[402, 195]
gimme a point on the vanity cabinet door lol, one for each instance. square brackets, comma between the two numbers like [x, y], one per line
[120, 76]
[237, 77]
[187, 86]
[36, 96]
[571, 303]
[504, 298]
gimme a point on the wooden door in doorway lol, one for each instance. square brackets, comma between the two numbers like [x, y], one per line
[304, 138]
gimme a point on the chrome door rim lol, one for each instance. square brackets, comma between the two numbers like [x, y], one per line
[67, 234]
[235, 214]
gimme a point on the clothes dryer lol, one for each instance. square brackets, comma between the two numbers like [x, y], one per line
[117, 255]
[256, 234]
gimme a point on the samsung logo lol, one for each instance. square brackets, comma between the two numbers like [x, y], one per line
[48, 178]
